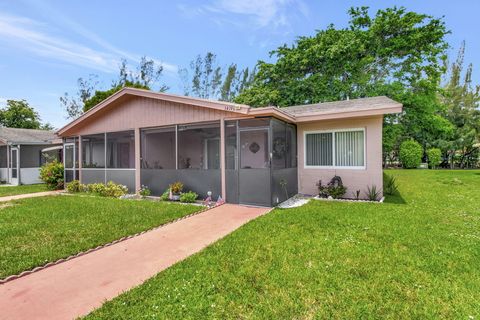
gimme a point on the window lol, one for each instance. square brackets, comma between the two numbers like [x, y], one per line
[337, 149]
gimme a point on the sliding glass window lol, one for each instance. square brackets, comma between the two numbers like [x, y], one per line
[338, 149]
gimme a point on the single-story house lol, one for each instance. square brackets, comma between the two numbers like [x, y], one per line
[255, 156]
[22, 153]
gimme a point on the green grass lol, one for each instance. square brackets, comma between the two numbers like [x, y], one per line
[23, 189]
[416, 256]
[39, 230]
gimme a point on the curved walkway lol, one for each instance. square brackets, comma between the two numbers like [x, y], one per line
[76, 287]
[30, 195]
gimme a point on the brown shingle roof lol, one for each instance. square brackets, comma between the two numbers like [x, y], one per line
[26, 136]
[362, 104]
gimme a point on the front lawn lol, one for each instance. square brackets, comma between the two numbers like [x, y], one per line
[23, 189]
[39, 230]
[416, 256]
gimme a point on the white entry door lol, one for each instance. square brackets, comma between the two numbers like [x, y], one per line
[14, 166]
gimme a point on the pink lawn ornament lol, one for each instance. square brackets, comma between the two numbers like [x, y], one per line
[220, 201]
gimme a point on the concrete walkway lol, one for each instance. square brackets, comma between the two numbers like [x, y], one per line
[30, 195]
[76, 287]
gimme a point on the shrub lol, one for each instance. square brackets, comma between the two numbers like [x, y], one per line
[98, 188]
[434, 157]
[390, 186]
[114, 190]
[145, 191]
[334, 188]
[188, 197]
[372, 193]
[75, 186]
[411, 154]
[176, 187]
[52, 174]
[165, 195]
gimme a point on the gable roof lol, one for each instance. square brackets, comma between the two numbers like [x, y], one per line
[124, 92]
[303, 113]
[26, 136]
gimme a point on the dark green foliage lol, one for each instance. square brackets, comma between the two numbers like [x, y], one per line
[386, 53]
[52, 174]
[411, 153]
[434, 156]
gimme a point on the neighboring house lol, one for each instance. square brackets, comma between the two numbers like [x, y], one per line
[21, 154]
[246, 155]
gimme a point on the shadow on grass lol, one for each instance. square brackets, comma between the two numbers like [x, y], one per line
[395, 198]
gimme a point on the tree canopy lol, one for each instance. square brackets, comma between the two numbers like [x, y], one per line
[19, 114]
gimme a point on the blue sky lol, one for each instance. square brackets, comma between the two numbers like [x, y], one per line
[46, 45]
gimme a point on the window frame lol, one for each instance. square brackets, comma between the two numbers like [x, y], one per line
[334, 160]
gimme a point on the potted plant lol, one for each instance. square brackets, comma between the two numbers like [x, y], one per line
[176, 190]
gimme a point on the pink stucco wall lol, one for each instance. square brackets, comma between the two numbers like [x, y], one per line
[354, 179]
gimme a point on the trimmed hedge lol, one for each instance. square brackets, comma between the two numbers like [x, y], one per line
[411, 154]
[434, 157]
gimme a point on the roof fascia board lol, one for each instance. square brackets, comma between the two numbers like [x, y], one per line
[349, 114]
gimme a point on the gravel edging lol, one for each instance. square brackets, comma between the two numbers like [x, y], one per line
[61, 260]
[349, 200]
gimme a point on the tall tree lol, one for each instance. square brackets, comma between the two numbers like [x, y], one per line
[461, 99]
[205, 78]
[147, 75]
[19, 114]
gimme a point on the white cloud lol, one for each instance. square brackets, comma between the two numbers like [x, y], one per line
[36, 37]
[262, 13]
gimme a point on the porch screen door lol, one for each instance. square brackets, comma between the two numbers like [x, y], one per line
[14, 166]
[254, 171]
[69, 162]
